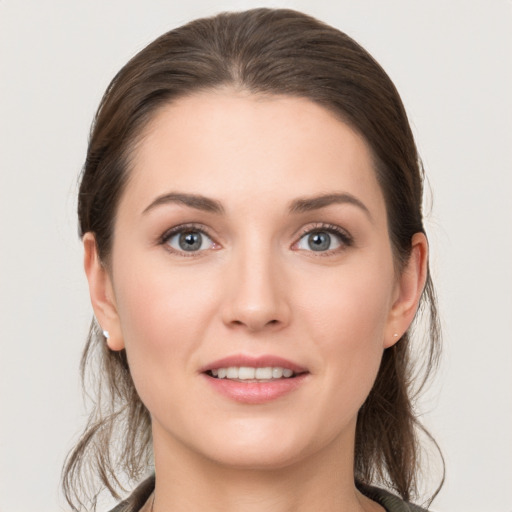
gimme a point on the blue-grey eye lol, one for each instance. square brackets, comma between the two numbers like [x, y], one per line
[190, 241]
[319, 241]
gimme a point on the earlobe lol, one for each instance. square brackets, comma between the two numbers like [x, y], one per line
[101, 293]
[409, 290]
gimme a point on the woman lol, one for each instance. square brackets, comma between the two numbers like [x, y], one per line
[250, 209]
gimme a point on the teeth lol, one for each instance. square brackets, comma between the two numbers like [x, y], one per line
[277, 372]
[264, 373]
[248, 373]
[232, 372]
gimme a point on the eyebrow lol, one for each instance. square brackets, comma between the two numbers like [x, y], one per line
[192, 200]
[307, 204]
[301, 205]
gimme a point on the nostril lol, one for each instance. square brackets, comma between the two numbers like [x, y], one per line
[254, 325]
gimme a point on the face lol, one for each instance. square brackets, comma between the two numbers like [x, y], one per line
[251, 278]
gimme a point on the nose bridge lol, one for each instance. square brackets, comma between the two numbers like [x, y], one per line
[256, 295]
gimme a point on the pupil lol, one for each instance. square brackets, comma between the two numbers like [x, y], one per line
[319, 241]
[190, 241]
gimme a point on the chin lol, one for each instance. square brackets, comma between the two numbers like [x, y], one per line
[266, 458]
[265, 449]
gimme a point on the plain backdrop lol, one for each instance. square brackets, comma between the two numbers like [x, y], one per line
[452, 63]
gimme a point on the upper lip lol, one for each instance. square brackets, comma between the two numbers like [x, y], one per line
[253, 362]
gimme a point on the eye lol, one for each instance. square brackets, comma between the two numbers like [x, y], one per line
[318, 241]
[186, 239]
[323, 240]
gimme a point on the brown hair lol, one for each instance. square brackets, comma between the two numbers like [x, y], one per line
[271, 52]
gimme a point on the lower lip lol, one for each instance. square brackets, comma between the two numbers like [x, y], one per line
[255, 392]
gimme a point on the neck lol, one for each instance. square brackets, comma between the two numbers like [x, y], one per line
[186, 481]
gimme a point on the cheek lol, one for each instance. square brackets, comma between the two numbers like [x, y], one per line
[164, 314]
[350, 306]
[346, 316]
[162, 318]
[159, 303]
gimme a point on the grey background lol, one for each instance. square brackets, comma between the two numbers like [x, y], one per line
[452, 63]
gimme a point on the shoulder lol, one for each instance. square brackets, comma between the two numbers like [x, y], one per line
[139, 496]
[389, 501]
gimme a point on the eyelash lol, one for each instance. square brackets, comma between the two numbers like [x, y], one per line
[345, 238]
[195, 228]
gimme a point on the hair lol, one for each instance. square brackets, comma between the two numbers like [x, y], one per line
[261, 51]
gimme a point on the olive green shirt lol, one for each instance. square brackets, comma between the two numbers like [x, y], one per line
[384, 498]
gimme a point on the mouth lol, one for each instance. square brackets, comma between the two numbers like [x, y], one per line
[252, 374]
[254, 380]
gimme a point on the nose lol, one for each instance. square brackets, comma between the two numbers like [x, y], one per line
[255, 293]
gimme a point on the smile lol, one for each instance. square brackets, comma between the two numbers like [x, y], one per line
[250, 374]
[254, 379]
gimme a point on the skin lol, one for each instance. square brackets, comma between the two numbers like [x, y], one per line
[256, 287]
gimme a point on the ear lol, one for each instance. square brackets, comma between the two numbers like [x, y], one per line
[408, 291]
[102, 293]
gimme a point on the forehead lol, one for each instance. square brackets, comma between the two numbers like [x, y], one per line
[240, 146]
